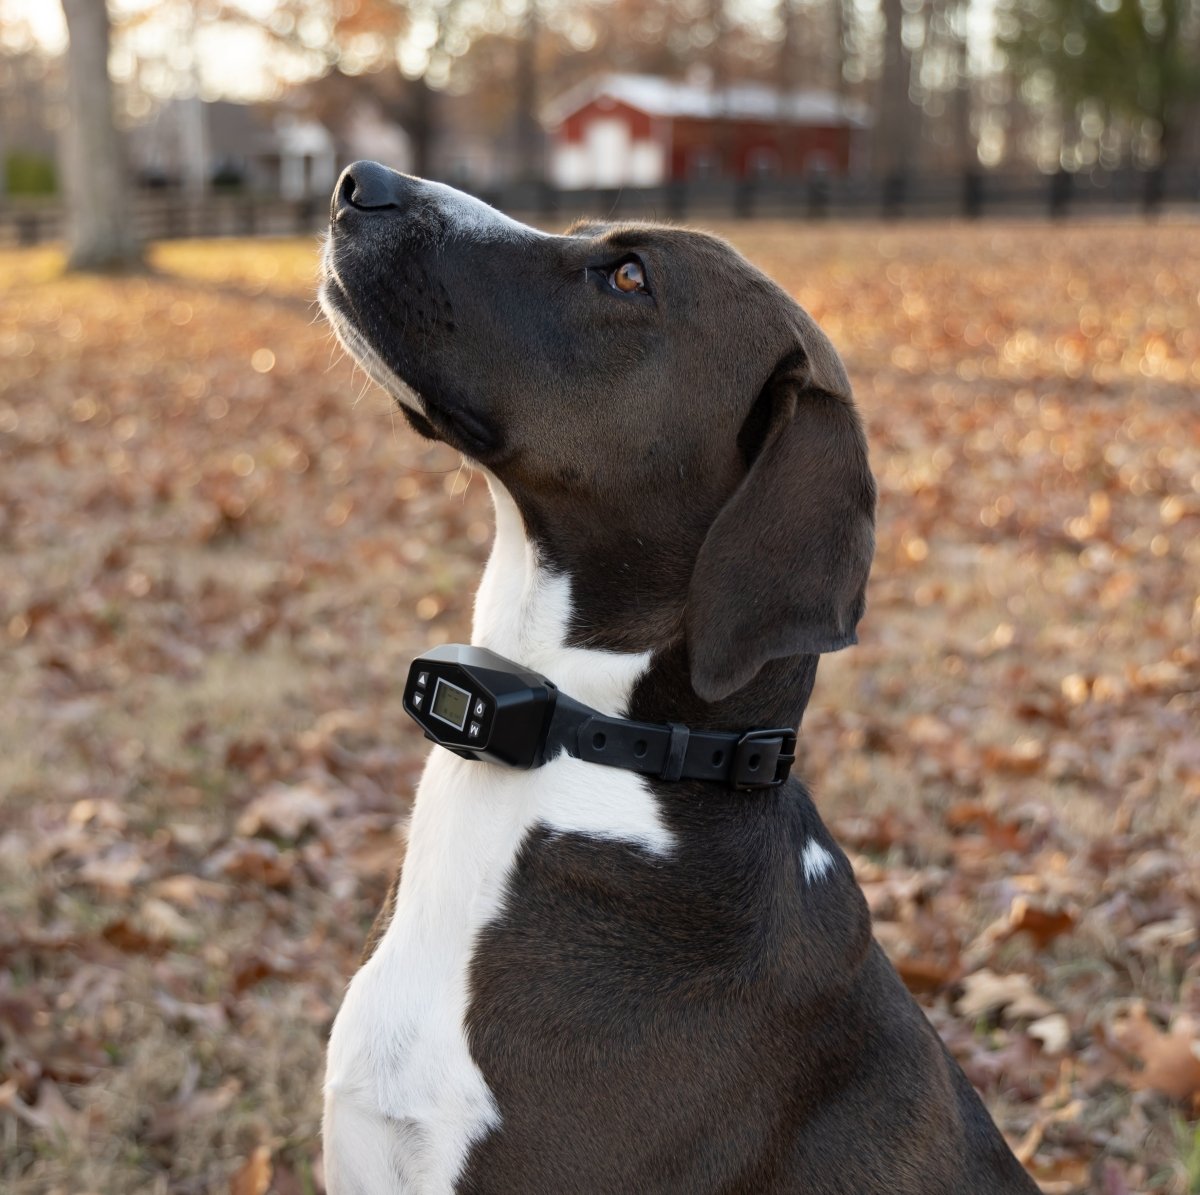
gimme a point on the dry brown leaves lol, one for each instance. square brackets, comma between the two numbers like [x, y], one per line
[217, 565]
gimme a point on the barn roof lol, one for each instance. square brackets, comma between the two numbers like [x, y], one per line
[657, 96]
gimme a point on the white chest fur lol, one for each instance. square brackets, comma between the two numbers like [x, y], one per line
[404, 1099]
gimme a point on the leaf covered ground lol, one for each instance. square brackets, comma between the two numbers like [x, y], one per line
[216, 562]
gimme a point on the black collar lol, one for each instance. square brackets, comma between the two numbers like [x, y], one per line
[481, 706]
[744, 759]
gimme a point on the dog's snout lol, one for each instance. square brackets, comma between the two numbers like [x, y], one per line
[369, 187]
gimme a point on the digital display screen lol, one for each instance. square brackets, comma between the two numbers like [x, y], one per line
[450, 704]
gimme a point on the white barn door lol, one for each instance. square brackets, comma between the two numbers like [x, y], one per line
[608, 150]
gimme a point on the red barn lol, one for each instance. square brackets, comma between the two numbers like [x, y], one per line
[642, 130]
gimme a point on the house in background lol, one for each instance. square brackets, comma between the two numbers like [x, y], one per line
[643, 130]
[267, 148]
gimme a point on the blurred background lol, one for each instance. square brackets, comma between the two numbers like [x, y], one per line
[237, 114]
[220, 547]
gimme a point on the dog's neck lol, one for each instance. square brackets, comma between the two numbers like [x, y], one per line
[526, 610]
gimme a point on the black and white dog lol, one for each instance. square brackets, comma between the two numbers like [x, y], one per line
[585, 980]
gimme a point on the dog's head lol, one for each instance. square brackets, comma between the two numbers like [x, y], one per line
[677, 433]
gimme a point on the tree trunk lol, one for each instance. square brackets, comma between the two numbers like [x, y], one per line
[1171, 67]
[101, 232]
[893, 130]
[785, 81]
[528, 131]
[965, 149]
[717, 63]
[837, 63]
[421, 126]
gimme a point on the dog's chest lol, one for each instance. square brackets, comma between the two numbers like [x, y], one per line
[405, 1101]
[399, 1051]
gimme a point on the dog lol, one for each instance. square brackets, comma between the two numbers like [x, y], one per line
[586, 980]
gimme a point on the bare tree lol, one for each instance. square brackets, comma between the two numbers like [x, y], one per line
[528, 134]
[963, 137]
[894, 128]
[101, 232]
[785, 81]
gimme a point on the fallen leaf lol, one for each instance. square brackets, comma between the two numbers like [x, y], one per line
[975, 815]
[1025, 758]
[1064, 1175]
[1053, 1031]
[1112, 1181]
[188, 891]
[50, 1113]
[253, 860]
[253, 969]
[923, 975]
[115, 872]
[1169, 1060]
[210, 1016]
[189, 1107]
[1041, 923]
[1013, 996]
[129, 938]
[165, 923]
[253, 1176]
[285, 811]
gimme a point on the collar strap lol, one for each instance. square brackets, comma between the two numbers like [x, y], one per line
[752, 759]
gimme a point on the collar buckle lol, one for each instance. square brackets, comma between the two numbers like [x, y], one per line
[753, 765]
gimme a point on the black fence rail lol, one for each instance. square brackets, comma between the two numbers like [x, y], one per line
[164, 216]
[970, 195]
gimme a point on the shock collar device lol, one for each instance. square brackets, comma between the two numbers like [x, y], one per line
[484, 707]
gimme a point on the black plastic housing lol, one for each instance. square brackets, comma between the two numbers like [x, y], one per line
[508, 708]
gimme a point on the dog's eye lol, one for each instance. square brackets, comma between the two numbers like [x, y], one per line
[629, 277]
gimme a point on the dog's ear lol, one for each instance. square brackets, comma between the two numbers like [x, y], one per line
[783, 568]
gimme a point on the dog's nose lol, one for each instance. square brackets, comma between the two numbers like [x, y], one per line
[369, 187]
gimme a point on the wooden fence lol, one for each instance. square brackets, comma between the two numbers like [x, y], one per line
[166, 216]
[973, 195]
[970, 195]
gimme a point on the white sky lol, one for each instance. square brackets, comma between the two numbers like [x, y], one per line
[44, 18]
[242, 62]
[230, 61]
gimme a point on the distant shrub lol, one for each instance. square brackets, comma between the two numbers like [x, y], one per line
[29, 174]
[228, 176]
